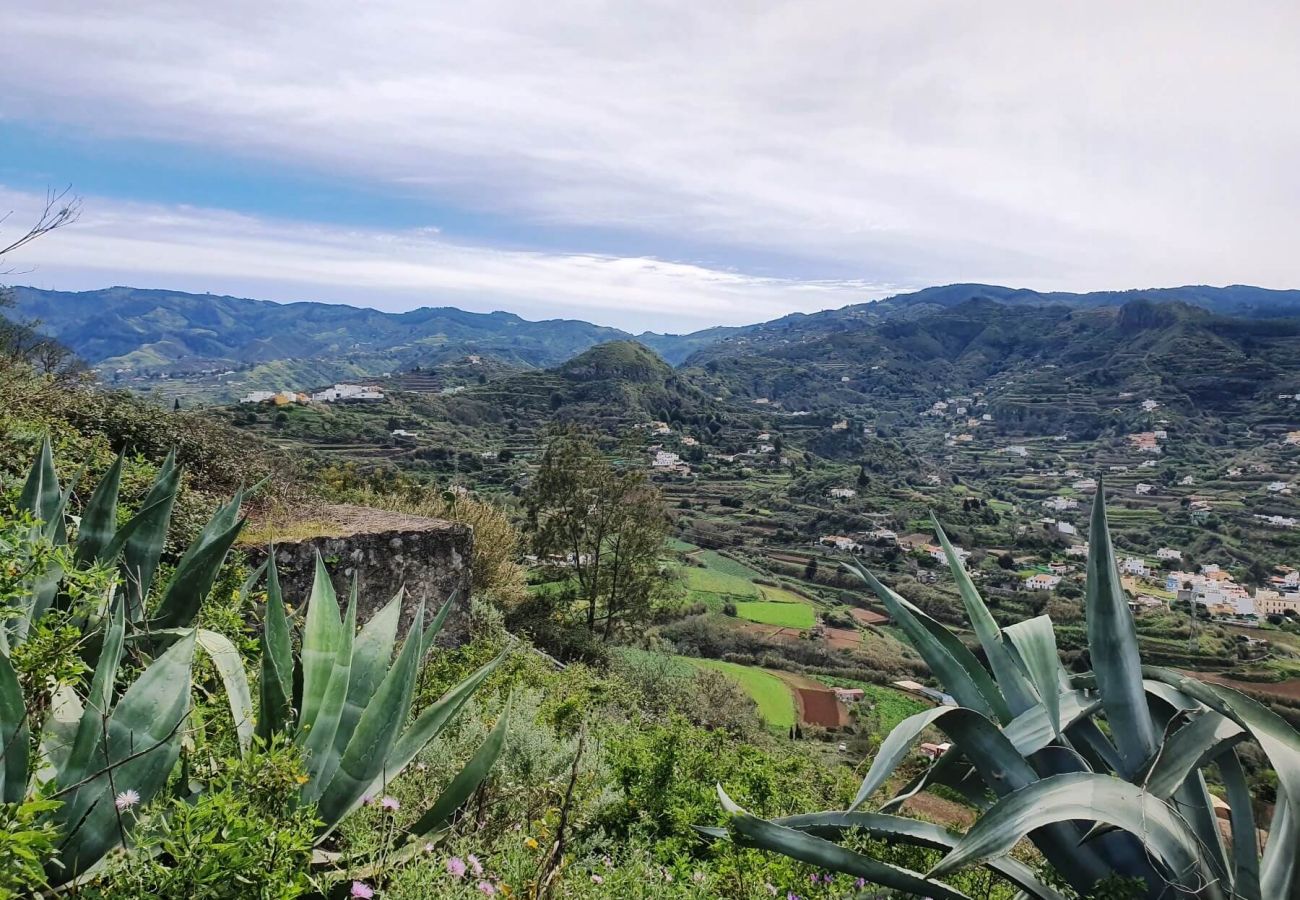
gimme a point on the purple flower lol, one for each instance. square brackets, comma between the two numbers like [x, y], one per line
[366, 799]
[361, 889]
[127, 799]
[475, 864]
[861, 882]
[596, 879]
[487, 888]
[456, 866]
[390, 804]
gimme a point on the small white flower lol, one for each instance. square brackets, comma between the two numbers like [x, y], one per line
[127, 799]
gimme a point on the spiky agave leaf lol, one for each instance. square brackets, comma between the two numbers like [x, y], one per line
[275, 684]
[1112, 643]
[13, 735]
[99, 518]
[1086, 796]
[144, 548]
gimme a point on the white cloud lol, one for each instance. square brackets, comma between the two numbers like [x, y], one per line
[1107, 144]
[212, 250]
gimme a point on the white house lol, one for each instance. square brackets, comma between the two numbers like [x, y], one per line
[258, 397]
[1061, 504]
[1080, 550]
[1042, 582]
[1169, 553]
[1134, 566]
[1085, 485]
[665, 460]
[1022, 452]
[1149, 405]
[1187, 481]
[1143, 488]
[347, 392]
[1066, 528]
[1276, 487]
[843, 493]
[839, 542]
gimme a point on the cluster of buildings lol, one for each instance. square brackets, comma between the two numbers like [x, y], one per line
[339, 393]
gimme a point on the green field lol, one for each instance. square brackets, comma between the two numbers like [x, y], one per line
[771, 612]
[775, 703]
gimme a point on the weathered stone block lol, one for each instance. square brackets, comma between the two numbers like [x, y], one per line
[385, 551]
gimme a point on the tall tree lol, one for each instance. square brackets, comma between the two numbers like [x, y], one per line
[606, 525]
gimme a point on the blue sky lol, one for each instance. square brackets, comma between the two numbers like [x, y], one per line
[663, 165]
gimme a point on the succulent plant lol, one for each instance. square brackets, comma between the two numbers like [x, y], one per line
[1030, 753]
[356, 699]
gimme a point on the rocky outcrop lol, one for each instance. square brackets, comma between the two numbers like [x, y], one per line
[385, 552]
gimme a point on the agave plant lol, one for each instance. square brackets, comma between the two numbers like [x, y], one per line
[1030, 753]
[356, 698]
[101, 757]
[136, 548]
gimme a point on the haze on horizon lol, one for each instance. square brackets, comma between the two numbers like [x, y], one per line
[675, 167]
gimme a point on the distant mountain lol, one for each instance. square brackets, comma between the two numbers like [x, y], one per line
[136, 336]
[133, 329]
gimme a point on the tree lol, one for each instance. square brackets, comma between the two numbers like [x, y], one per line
[810, 570]
[605, 525]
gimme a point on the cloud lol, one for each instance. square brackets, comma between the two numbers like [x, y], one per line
[1109, 144]
[195, 249]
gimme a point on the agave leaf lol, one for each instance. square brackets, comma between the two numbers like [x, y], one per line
[275, 686]
[13, 735]
[1277, 872]
[1245, 849]
[143, 743]
[230, 668]
[429, 724]
[1017, 691]
[1191, 801]
[320, 644]
[193, 580]
[834, 826]
[41, 493]
[466, 781]
[317, 738]
[1086, 796]
[98, 701]
[372, 651]
[1190, 748]
[1279, 741]
[952, 663]
[60, 732]
[376, 732]
[114, 547]
[1035, 644]
[148, 536]
[99, 518]
[1112, 641]
[757, 832]
[426, 640]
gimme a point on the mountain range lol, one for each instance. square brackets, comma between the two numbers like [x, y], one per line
[1217, 344]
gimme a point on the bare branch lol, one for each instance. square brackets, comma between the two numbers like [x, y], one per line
[61, 208]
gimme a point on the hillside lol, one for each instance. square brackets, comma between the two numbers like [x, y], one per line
[208, 347]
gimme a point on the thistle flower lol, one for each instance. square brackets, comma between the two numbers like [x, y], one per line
[362, 890]
[596, 879]
[475, 864]
[127, 799]
[456, 866]
[487, 888]
[390, 804]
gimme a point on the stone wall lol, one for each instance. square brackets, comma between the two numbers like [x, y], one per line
[385, 551]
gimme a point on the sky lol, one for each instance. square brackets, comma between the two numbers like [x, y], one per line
[651, 165]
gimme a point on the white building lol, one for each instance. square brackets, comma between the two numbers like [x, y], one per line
[1135, 566]
[258, 397]
[1061, 504]
[1142, 488]
[1022, 452]
[843, 493]
[1042, 582]
[1169, 553]
[1085, 485]
[347, 392]
[1276, 487]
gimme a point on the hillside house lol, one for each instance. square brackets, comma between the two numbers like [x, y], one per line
[1078, 550]
[1292, 437]
[841, 425]
[403, 433]
[666, 461]
[883, 534]
[1276, 487]
[1017, 450]
[1149, 405]
[1085, 485]
[839, 542]
[936, 552]
[1277, 521]
[289, 398]
[849, 695]
[1145, 442]
[346, 393]
[843, 493]
[1186, 481]
[1143, 488]
[1061, 504]
[1147, 464]
[1135, 566]
[933, 751]
[258, 397]
[1272, 603]
[1042, 582]
[1169, 553]
[1066, 528]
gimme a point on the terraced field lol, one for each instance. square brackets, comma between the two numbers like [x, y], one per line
[776, 704]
